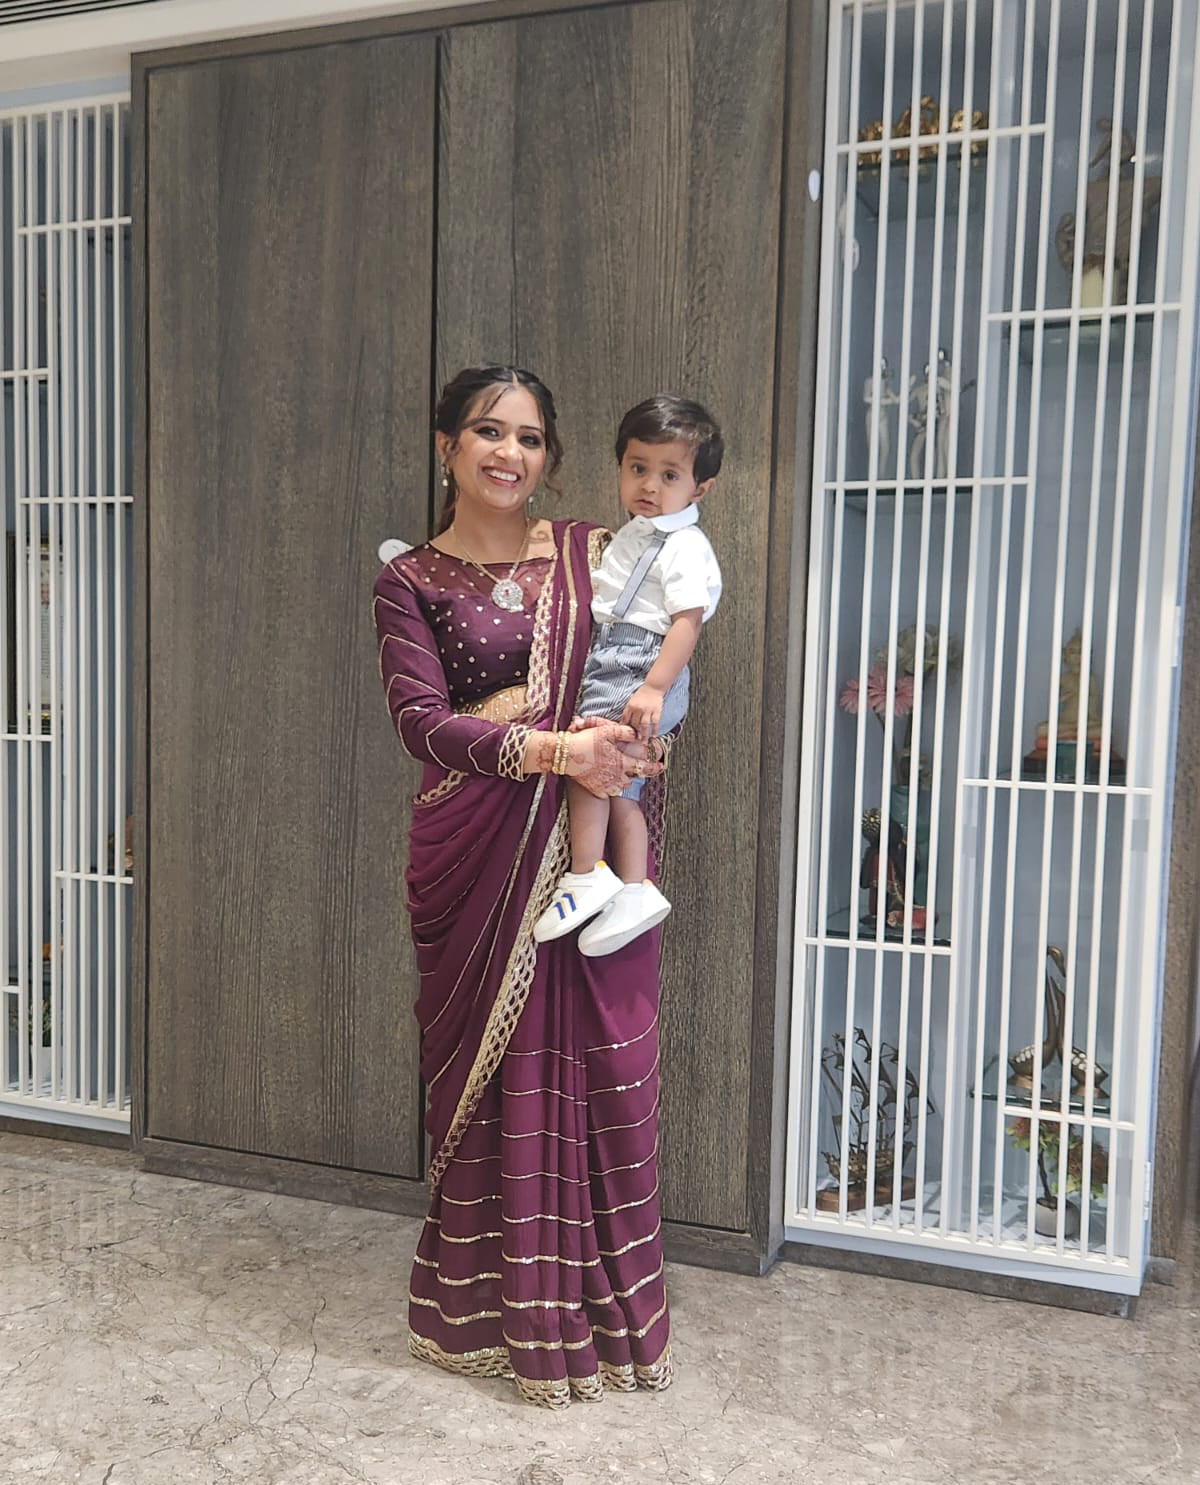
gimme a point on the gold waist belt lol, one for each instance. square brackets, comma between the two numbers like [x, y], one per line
[500, 706]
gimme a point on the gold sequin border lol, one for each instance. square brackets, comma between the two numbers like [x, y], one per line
[493, 1361]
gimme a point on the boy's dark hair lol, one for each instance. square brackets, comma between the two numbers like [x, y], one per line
[663, 418]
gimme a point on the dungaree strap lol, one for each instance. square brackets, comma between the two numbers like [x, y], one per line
[638, 576]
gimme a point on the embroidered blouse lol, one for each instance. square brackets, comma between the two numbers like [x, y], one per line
[444, 644]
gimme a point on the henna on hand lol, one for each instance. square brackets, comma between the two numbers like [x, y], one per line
[544, 747]
[607, 758]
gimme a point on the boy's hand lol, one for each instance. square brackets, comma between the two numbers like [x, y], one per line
[644, 711]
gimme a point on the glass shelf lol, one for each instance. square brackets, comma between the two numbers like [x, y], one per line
[900, 184]
[1056, 335]
[839, 926]
[911, 492]
[1051, 1091]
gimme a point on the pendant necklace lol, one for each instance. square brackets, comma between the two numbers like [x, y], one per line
[506, 593]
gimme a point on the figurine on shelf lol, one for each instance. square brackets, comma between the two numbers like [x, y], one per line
[882, 872]
[1024, 1062]
[925, 420]
[868, 134]
[879, 395]
[891, 1112]
[1063, 736]
[929, 121]
[1080, 1069]
[1095, 222]
[979, 121]
[887, 873]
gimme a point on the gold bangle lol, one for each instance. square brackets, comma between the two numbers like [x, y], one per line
[559, 765]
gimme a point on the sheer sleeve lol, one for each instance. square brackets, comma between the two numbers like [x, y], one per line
[418, 697]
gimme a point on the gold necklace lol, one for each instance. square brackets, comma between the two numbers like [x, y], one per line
[506, 593]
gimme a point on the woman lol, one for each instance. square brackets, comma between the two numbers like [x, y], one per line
[541, 1257]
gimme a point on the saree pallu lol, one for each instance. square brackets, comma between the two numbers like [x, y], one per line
[541, 1256]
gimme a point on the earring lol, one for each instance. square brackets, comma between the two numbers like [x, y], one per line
[445, 478]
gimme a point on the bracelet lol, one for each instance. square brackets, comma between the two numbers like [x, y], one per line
[561, 749]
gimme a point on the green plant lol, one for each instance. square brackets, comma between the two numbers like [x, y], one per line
[1049, 1140]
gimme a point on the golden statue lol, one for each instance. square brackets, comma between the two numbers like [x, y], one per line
[1070, 680]
[1056, 745]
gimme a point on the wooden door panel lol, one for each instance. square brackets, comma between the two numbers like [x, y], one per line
[608, 216]
[289, 247]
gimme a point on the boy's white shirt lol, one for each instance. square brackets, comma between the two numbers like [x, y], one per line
[684, 575]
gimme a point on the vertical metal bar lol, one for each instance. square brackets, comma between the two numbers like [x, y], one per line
[78, 652]
[1056, 625]
[104, 494]
[964, 983]
[1095, 498]
[898, 505]
[120, 598]
[1025, 585]
[937, 758]
[7, 255]
[72, 479]
[54, 174]
[824, 868]
[1137, 742]
[23, 328]
[865, 623]
[916, 726]
[37, 352]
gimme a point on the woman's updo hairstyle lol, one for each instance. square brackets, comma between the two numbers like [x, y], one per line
[466, 397]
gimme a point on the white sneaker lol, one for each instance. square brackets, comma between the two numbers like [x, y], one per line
[579, 896]
[638, 906]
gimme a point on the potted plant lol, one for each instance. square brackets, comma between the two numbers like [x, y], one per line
[1045, 1219]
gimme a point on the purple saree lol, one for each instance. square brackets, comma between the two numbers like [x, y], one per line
[541, 1257]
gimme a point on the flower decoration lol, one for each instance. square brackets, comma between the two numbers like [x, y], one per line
[915, 650]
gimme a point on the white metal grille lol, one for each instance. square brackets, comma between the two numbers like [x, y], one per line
[65, 761]
[997, 531]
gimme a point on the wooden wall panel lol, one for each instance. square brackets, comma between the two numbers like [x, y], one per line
[289, 239]
[609, 211]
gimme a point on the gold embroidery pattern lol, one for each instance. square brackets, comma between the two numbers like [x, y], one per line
[538, 685]
[619, 1378]
[588, 1389]
[620, 1293]
[636, 1243]
[512, 753]
[491, 1361]
[416, 1299]
[553, 1258]
[572, 615]
[547, 1345]
[544, 1394]
[654, 803]
[516, 984]
[598, 541]
[451, 784]
[616, 1046]
[659, 1375]
[499, 706]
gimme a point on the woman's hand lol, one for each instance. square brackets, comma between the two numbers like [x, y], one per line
[605, 757]
[643, 711]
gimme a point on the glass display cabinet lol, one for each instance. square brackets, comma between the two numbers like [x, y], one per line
[1004, 446]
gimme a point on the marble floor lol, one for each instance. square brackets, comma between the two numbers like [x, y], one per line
[161, 1332]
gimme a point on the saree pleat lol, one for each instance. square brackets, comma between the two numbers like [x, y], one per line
[541, 1256]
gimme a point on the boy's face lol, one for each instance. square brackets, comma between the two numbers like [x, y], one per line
[656, 479]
